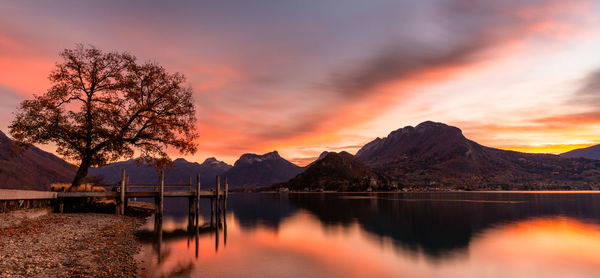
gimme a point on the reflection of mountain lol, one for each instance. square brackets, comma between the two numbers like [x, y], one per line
[435, 223]
[260, 209]
[441, 222]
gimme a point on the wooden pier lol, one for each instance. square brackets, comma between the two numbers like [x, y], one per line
[123, 192]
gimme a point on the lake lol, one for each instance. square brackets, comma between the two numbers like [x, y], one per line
[447, 234]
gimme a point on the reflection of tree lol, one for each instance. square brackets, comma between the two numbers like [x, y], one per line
[436, 226]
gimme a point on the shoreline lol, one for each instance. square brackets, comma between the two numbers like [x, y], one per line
[39, 243]
[428, 191]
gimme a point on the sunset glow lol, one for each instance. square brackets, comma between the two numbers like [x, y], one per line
[302, 77]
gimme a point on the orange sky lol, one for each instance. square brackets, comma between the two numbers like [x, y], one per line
[302, 79]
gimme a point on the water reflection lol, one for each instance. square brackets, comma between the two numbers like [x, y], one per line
[385, 235]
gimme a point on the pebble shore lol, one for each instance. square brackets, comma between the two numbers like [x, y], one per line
[41, 244]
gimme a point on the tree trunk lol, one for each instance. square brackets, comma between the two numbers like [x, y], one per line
[81, 174]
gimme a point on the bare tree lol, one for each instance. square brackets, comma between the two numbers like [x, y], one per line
[103, 106]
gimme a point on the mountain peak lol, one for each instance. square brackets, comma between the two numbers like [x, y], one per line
[427, 140]
[322, 155]
[250, 158]
[430, 125]
[258, 170]
[4, 138]
[272, 155]
[210, 160]
[336, 171]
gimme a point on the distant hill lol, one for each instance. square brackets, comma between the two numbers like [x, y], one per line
[340, 172]
[33, 169]
[437, 154]
[179, 173]
[592, 152]
[252, 170]
[321, 156]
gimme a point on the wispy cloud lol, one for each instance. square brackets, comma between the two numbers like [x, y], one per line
[279, 75]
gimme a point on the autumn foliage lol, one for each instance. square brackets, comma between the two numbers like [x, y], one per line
[104, 106]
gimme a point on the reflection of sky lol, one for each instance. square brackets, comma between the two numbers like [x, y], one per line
[303, 247]
[305, 76]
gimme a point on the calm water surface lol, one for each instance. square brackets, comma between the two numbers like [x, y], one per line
[383, 235]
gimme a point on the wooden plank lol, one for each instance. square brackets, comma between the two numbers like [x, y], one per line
[129, 194]
[109, 194]
[10, 194]
[197, 212]
[155, 185]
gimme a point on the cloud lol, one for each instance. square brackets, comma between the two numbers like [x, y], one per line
[277, 75]
[589, 92]
[272, 102]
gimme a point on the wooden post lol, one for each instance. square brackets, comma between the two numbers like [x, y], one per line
[191, 206]
[212, 210]
[226, 195]
[122, 203]
[197, 200]
[225, 212]
[218, 202]
[161, 193]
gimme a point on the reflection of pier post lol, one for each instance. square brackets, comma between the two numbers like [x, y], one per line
[216, 238]
[158, 200]
[160, 238]
[191, 206]
[197, 239]
[225, 227]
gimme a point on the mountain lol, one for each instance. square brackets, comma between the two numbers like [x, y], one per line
[179, 173]
[321, 156]
[437, 154]
[592, 152]
[340, 172]
[252, 170]
[33, 169]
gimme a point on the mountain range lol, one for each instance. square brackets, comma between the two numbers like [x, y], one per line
[252, 170]
[592, 152]
[434, 153]
[428, 155]
[32, 169]
[178, 173]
